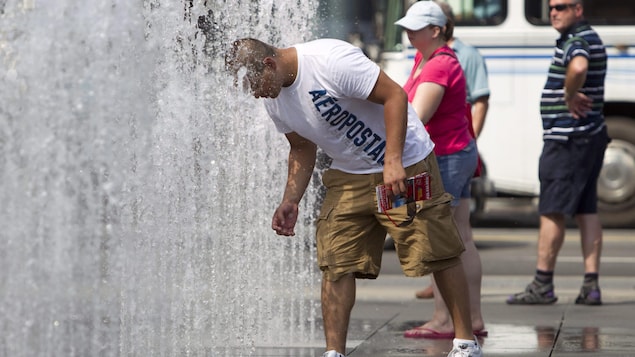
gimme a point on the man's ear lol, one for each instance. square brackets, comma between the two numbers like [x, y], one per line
[578, 10]
[270, 62]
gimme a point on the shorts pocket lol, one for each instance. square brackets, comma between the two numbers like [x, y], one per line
[402, 216]
[322, 221]
[554, 162]
[443, 198]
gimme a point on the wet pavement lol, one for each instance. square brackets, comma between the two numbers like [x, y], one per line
[508, 257]
[386, 307]
[562, 329]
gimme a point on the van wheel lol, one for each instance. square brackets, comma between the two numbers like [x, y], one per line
[616, 184]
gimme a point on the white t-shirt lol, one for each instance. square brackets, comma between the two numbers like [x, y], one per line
[327, 105]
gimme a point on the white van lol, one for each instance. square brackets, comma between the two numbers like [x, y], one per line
[517, 40]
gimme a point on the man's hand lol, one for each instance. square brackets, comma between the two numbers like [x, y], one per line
[284, 219]
[395, 178]
[578, 104]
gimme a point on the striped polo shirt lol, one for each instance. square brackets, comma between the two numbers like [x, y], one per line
[557, 121]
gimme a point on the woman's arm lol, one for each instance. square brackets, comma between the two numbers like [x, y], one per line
[427, 99]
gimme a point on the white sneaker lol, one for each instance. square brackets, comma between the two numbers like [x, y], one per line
[332, 353]
[465, 348]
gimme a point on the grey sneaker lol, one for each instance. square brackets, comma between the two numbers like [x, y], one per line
[534, 294]
[332, 353]
[463, 349]
[589, 296]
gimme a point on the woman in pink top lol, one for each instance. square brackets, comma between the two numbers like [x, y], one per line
[436, 89]
[437, 92]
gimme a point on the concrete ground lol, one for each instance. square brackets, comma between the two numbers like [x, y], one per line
[386, 307]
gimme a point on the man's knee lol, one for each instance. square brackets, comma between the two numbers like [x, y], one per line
[557, 219]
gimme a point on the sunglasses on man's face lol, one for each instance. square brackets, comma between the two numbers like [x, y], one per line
[561, 7]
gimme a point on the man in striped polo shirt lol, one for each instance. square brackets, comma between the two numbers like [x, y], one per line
[575, 138]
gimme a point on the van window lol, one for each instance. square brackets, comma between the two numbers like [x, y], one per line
[479, 12]
[605, 12]
[466, 12]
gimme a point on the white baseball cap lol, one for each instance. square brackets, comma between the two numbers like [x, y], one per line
[422, 14]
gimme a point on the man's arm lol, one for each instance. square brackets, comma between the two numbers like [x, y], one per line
[476, 78]
[479, 112]
[302, 153]
[395, 102]
[578, 103]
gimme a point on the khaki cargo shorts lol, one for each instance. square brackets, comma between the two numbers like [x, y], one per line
[351, 232]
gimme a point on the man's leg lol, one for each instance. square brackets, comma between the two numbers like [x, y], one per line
[591, 240]
[338, 298]
[471, 262]
[441, 320]
[550, 239]
[452, 285]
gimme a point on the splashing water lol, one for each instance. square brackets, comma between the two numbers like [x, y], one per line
[137, 185]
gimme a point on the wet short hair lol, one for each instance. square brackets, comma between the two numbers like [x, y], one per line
[248, 53]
